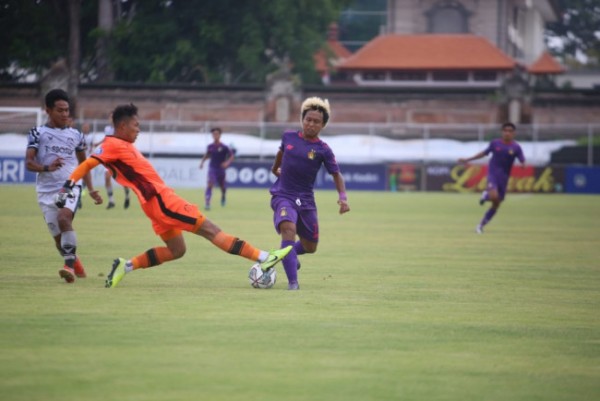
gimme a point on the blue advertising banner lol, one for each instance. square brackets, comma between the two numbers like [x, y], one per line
[583, 180]
[356, 176]
[13, 171]
[371, 177]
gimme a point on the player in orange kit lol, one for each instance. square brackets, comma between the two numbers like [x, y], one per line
[169, 213]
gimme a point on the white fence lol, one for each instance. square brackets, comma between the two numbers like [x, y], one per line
[352, 143]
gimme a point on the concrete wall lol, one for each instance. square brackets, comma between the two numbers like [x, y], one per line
[351, 105]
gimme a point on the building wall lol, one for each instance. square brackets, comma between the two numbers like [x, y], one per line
[350, 105]
[511, 25]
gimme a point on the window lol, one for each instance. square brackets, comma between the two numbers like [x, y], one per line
[409, 76]
[373, 76]
[485, 75]
[450, 75]
[448, 16]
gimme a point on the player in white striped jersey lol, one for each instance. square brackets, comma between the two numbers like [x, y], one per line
[54, 150]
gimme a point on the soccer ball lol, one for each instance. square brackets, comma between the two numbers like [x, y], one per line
[260, 279]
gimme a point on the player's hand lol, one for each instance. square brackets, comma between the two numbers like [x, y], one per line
[60, 199]
[56, 164]
[344, 208]
[462, 161]
[96, 197]
[65, 193]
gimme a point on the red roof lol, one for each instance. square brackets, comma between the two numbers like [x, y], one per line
[433, 52]
[333, 49]
[546, 64]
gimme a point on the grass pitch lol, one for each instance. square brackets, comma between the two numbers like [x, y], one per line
[402, 301]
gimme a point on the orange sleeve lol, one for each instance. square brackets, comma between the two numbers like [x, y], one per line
[83, 168]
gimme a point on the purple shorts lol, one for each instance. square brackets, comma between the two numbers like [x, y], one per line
[497, 183]
[306, 219]
[216, 176]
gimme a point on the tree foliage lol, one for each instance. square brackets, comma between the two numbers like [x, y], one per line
[224, 41]
[35, 34]
[578, 29]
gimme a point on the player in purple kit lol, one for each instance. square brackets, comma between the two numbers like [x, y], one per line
[220, 156]
[504, 152]
[301, 155]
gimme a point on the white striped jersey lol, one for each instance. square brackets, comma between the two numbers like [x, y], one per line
[52, 143]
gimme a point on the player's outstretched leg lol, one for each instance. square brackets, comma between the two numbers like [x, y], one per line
[275, 257]
[116, 274]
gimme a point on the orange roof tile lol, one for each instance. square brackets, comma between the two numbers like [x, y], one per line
[546, 64]
[335, 49]
[434, 52]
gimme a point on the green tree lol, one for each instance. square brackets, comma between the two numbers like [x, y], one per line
[225, 41]
[35, 34]
[578, 29]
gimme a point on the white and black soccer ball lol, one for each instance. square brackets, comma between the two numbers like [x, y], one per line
[260, 279]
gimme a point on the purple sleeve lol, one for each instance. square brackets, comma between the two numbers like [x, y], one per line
[489, 148]
[330, 163]
[520, 155]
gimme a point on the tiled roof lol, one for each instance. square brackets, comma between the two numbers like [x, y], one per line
[546, 64]
[433, 52]
[334, 50]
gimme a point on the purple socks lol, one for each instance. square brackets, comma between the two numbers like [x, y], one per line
[488, 216]
[290, 262]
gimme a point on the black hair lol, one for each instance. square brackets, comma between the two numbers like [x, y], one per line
[509, 125]
[123, 112]
[54, 95]
[216, 129]
[318, 108]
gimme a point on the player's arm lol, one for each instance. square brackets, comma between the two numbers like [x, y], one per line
[276, 168]
[468, 159]
[340, 186]
[32, 165]
[230, 158]
[521, 156]
[87, 178]
[205, 158]
[67, 190]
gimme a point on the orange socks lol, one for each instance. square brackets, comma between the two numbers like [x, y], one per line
[235, 246]
[152, 257]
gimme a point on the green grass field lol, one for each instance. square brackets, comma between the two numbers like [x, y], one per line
[402, 301]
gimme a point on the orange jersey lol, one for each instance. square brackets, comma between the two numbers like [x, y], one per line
[129, 167]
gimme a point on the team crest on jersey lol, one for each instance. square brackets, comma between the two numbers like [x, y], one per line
[311, 154]
[510, 152]
[283, 212]
[289, 147]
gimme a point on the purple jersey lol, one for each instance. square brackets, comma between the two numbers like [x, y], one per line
[503, 157]
[218, 152]
[300, 164]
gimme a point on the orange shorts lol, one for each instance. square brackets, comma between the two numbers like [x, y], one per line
[171, 214]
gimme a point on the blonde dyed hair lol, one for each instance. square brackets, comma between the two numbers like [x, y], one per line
[318, 104]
